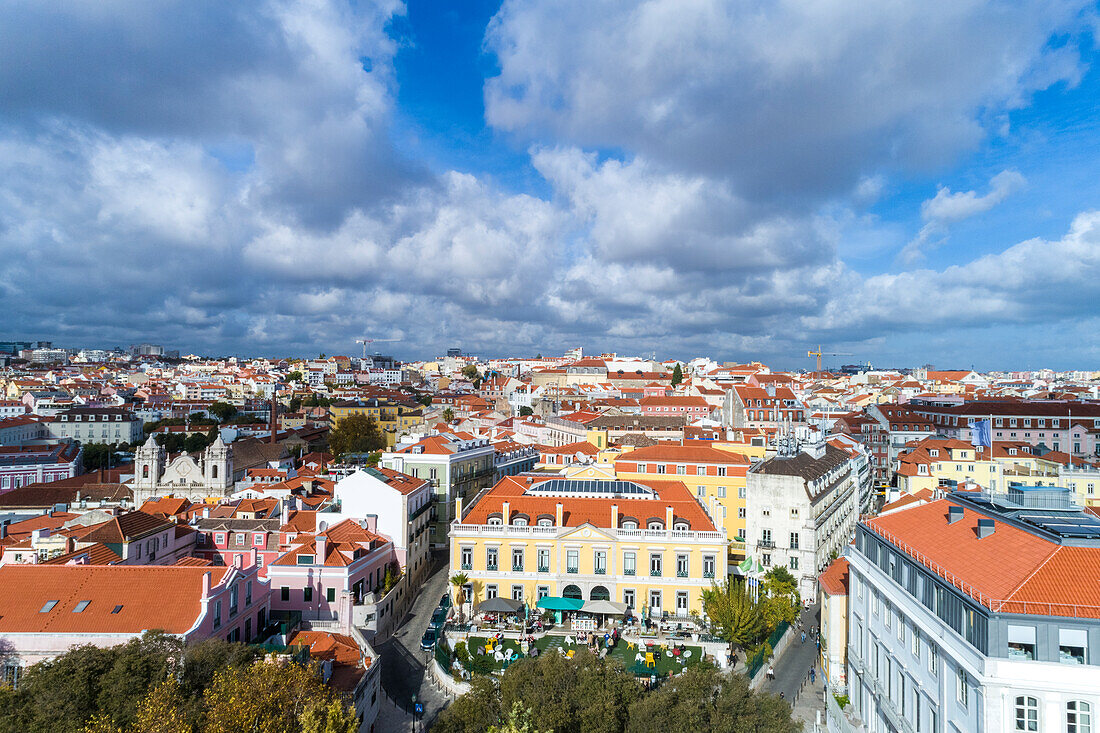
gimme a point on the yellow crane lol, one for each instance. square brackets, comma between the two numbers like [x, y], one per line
[819, 353]
[367, 342]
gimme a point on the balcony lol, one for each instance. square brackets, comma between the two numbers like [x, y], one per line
[708, 574]
[628, 572]
[655, 573]
[765, 545]
[572, 570]
[601, 571]
[467, 566]
[681, 573]
[517, 568]
[492, 567]
[544, 568]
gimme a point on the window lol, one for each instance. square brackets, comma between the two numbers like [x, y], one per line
[307, 593]
[543, 558]
[654, 600]
[681, 566]
[1072, 644]
[681, 603]
[1078, 717]
[1021, 642]
[741, 512]
[628, 597]
[721, 470]
[701, 492]
[700, 470]
[517, 593]
[933, 658]
[629, 563]
[915, 643]
[239, 538]
[491, 591]
[599, 561]
[681, 470]
[630, 524]
[655, 524]
[655, 565]
[258, 540]
[793, 563]
[219, 538]
[490, 558]
[47, 607]
[81, 606]
[708, 566]
[284, 593]
[517, 559]
[962, 689]
[572, 561]
[467, 558]
[330, 594]
[794, 540]
[217, 614]
[305, 559]
[660, 468]
[1027, 713]
[541, 592]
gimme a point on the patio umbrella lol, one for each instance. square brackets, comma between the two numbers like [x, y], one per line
[499, 605]
[604, 607]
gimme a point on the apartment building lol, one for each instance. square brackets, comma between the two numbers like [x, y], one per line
[649, 545]
[96, 425]
[977, 612]
[1069, 426]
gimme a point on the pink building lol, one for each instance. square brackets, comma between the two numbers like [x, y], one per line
[20, 466]
[53, 607]
[692, 407]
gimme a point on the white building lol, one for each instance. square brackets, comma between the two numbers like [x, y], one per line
[96, 425]
[978, 612]
[801, 507]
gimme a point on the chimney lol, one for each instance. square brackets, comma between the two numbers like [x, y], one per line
[322, 545]
[985, 527]
[954, 514]
[458, 509]
[614, 516]
[274, 418]
[255, 557]
[238, 561]
[206, 584]
[558, 511]
[668, 517]
[206, 512]
[506, 512]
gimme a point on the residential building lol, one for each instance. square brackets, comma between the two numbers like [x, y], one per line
[769, 406]
[977, 612]
[60, 606]
[96, 425]
[801, 507]
[20, 466]
[457, 466]
[649, 545]
[1069, 426]
[20, 430]
[393, 417]
[232, 541]
[833, 659]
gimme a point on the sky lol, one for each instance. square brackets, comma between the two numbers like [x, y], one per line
[905, 182]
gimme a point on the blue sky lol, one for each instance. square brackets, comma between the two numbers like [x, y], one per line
[914, 183]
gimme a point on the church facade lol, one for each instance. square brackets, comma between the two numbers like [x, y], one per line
[208, 476]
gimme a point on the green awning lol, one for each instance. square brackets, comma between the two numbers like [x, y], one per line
[554, 603]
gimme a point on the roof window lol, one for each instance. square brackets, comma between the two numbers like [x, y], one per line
[48, 607]
[117, 609]
[81, 606]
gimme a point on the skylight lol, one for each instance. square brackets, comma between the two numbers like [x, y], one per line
[48, 607]
[81, 606]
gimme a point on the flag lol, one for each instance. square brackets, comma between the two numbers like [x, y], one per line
[981, 433]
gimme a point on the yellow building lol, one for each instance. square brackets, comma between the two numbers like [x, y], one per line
[393, 418]
[943, 463]
[715, 477]
[647, 544]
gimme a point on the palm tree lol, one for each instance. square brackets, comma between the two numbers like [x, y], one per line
[459, 582]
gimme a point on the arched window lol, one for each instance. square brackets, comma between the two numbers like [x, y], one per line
[630, 524]
[655, 524]
[519, 522]
[681, 527]
[546, 522]
[1027, 713]
[214, 471]
[495, 522]
[1078, 717]
[145, 471]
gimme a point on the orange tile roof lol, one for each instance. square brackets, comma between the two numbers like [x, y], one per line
[151, 597]
[594, 511]
[691, 452]
[1043, 577]
[834, 580]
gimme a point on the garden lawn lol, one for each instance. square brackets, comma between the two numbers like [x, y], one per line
[665, 663]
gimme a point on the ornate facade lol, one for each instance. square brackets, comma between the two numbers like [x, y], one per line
[211, 475]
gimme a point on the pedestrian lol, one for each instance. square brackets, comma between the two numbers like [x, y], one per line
[811, 675]
[803, 637]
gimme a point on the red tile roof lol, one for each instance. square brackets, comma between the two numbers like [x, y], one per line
[834, 580]
[150, 596]
[692, 452]
[594, 511]
[1042, 577]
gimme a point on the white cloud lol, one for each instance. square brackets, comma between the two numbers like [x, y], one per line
[947, 208]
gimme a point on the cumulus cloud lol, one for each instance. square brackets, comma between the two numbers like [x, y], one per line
[947, 208]
[779, 98]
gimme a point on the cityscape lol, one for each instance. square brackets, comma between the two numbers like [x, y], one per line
[545, 366]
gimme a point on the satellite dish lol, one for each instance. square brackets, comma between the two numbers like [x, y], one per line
[581, 457]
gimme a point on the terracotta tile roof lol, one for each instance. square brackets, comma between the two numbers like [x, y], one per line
[97, 554]
[834, 580]
[150, 596]
[594, 511]
[165, 506]
[1043, 577]
[302, 520]
[128, 526]
[692, 452]
[581, 446]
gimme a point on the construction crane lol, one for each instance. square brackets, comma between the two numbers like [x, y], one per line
[819, 353]
[367, 342]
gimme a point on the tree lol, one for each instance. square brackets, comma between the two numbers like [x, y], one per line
[448, 414]
[356, 433]
[780, 597]
[99, 455]
[294, 376]
[702, 698]
[165, 710]
[424, 399]
[519, 721]
[295, 404]
[677, 374]
[459, 581]
[223, 410]
[470, 372]
[525, 411]
[735, 616]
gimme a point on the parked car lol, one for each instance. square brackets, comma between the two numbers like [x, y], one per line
[445, 601]
[439, 617]
[427, 642]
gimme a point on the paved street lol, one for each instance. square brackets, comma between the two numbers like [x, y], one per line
[792, 668]
[403, 664]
